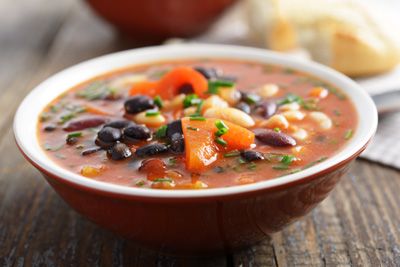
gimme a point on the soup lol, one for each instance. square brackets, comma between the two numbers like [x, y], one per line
[196, 124]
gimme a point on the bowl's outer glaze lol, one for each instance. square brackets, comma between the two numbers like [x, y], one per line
[199, 225]
[158, 20]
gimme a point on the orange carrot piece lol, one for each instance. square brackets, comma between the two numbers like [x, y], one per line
[170, 83]
[95, 110]
[201, 150]
[318, 92]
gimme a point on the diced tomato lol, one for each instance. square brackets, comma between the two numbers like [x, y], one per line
[201, 150]
[144, 88]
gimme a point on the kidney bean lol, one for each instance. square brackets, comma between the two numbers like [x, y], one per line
[138, 104]
[273, 138]
[137, 132]
[119, 124]
[109, 135]
[267, 109]
[119, 151]
[49, 128]
[177, 143]
[151, 150]
[250, 155]
[81, 124]
[243, 107]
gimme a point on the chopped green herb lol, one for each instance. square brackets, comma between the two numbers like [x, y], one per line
[163, 180]
[171, 162]
[277, 129]
[241, 161]
[221, 132]
[80, 146]
[252, 166]
[192, 128]
[232, 154]
[251, 99]
[158, 101]
[337, 112]
[348, 134]
[191, 100]
[288, 71]
[310, 104]
[67, 117]
[287, 159]
[152, 113]
[140, 183]
[280, 167]
[221, 125]
[74, 134]
[214, 85]
[96, 90]
[161, 132]
[290, 98]
[44, 117]
[197, 118]
[221, 141]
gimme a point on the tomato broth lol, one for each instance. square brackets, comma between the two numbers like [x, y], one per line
[196, 124]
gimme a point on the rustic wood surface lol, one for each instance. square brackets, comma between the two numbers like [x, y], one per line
[358, 225]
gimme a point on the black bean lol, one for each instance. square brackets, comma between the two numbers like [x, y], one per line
[273, 138]
[50, 128]
[109, 134]
[90, 150]
[138, 104]
[250, 155]
[250, 98]
[151, 150]
[137, 132]
[119, 124]
[267, 109]
[80, 124]
[119, 151]
[174, 127]
[186, 89]
[71, 140]
[243, 107]
[208, 73]
[103, 144]
[177, 144]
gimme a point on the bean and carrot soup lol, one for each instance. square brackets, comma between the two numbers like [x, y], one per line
[196, 124]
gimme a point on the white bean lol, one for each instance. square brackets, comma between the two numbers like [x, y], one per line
[230, 114]
[268, 90]
[276, 121]
[189, 111]
[294, 115]
[156, 120]
[214, 101]
[175, 103]
[229, 94]
[300, 134]
[290, 106]
[324, 122]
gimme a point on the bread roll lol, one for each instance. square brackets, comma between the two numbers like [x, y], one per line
[340, 34]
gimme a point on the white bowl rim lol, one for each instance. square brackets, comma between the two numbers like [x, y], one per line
[25, 120]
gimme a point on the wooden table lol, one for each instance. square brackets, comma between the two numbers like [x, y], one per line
[359, 224]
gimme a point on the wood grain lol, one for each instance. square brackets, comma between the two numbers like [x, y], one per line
[358, 225]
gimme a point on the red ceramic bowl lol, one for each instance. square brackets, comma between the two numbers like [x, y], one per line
[192, 221]
[160, 19]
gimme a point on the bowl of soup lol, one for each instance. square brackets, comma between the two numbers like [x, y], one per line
[194, 148]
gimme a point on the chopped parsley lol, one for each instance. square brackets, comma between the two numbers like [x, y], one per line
[163, 180]
[348, 134]
[197, 118]
[96, 90]
[74, 134]
[192, 128]
[221, 141]
[232, 154]
[158, 101]
[214, 85]
[161, 132]
[152, 113]
[191, 100]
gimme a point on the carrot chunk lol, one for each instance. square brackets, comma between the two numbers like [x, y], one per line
[169, 85]
[202, 150]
